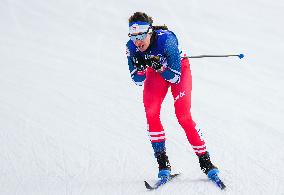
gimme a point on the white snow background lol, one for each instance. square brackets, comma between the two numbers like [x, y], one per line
[72, 122]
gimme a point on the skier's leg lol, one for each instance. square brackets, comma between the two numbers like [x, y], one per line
[155, 90]
[182, 96]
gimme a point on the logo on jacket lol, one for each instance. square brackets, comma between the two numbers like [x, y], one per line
[127, 52]
[161, 33]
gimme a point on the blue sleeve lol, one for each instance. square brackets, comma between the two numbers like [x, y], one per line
[138, 77]
[172, 72]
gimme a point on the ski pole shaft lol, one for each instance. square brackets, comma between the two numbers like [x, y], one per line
[215, 56]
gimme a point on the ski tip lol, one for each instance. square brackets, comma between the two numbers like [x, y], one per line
[213, 176]
[222, 186]
[161, 182]
[219, 183]
[147, 185]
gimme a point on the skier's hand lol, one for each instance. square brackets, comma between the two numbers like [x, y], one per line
[139, 63]
[156, 64]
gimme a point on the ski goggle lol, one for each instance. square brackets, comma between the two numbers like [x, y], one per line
[139, 36]
[138, 30]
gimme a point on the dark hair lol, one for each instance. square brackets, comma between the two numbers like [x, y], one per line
[140, 16]
[164, 27]
[143, 17]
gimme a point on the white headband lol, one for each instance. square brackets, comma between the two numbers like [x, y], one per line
[138, 27]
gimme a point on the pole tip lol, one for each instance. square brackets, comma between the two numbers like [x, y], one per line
[241, 56]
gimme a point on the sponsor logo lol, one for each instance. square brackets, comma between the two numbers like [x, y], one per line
[180, 95]
[127, 52]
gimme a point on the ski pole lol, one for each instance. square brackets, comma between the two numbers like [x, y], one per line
[214, 56]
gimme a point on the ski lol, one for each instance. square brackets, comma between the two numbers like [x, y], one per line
[160, 182]
[218, 182]
[213, 176]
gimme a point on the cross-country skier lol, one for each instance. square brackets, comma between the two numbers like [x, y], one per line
[154, 60]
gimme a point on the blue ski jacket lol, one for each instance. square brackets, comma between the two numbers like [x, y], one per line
[165, 45]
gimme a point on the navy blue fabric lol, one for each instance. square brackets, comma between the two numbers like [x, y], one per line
[166, 47]
[158, 147]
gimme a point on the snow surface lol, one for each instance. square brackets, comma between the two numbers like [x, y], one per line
[72, 121]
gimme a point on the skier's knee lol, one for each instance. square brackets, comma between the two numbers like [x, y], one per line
[152, 113]
[184, 119]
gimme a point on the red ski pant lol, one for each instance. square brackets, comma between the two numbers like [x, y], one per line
[155, 90]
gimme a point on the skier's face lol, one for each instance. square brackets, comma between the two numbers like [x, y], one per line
[143, 44]
[140, 34]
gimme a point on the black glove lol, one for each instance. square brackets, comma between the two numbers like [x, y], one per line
[139, 63]
[155, 63]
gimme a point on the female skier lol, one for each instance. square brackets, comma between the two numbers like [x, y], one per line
[154, 60]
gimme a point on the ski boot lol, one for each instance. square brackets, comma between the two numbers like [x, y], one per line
[164, 174]
[206, 164]
[164, 166]
[210, 170]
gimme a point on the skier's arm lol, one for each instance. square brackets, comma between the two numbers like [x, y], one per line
[138, 76]
[172, 71]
